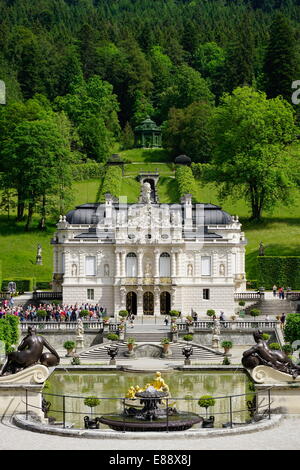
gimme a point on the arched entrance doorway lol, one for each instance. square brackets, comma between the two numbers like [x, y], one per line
[165, 303]
[131, 303]
[148, 303]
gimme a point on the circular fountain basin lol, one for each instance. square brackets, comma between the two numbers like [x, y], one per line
[179, 422]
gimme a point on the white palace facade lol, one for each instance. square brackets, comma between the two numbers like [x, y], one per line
[150, 258]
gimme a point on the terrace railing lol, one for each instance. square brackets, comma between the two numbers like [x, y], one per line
[230, 325]
[249, 296]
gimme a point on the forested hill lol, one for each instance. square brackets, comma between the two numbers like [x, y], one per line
[143, 48]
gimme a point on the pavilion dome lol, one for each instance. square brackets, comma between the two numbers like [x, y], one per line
[183, 160]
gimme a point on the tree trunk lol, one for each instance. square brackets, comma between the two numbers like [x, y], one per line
[42, 223]
[29, 215]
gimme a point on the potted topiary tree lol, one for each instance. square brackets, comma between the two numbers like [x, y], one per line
[41, 314]
[84, 313]
[174, 314]
[227, 345]
[255, 312]
[188, 338]
[165, 342]
[130, 344]
[90, 423]
[112, 337]
[123, 314]
[206, 401]
[69, 346]
[210, 312]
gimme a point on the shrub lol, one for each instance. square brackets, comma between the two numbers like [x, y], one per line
[174, 313]
[69, 344]
[75, 361]
[84, 313]
[287, 348]
[292, 327]
[112, 337]
[165, 340]
[130, 341]
[188, 337]
[275, 346]
[206, 401]
[242, 303]
[266, 336]
[210, 312]
[255, 312]
[226, 361]
[92, 402]
[226, 344]
[123, 313]
[41, 313]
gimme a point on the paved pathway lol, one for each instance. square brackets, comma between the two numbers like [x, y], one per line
[285, 436]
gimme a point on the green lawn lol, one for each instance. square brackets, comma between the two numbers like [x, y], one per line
[146, 155]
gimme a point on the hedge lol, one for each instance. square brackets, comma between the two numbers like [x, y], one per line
[87, 171]
[9, 331]
[43, 285]
[0, 273]
[112, 182]
[22, 284]
[185, 180]
[283, 271]
[292, 328]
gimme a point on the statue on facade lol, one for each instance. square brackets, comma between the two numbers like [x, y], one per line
[74, 269]
[106, 270]
[261, 354]
[222, 270]
[30, 352]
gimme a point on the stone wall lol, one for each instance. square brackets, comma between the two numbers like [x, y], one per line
[57, 338]
[238, 338]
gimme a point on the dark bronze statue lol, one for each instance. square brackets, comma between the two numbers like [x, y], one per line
[260, 354]
[30, 352]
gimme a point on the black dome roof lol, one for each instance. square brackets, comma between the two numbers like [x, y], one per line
[183, 160]
[87, 214]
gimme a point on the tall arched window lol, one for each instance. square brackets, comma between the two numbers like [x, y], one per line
[131, 265]
[165, 265]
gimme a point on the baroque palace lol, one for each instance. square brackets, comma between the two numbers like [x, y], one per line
[150, 258]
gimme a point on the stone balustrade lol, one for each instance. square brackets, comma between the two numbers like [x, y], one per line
[230, 325]
[61, 326]
[249, 296]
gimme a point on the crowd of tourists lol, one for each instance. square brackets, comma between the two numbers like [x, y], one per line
[53, 312]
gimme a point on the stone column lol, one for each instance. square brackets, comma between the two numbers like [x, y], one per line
[173, 264]
[67, 263]
[123, 263]
[117, 264]
[156, 301]
[156, 262]
[140, 263]
[139, 301]
[81, 264]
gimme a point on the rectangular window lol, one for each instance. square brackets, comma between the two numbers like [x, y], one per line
[90, 266]
[205, 294]
[206, 265]
[90, 294]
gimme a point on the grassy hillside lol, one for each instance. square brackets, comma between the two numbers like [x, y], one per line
[279, 231]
